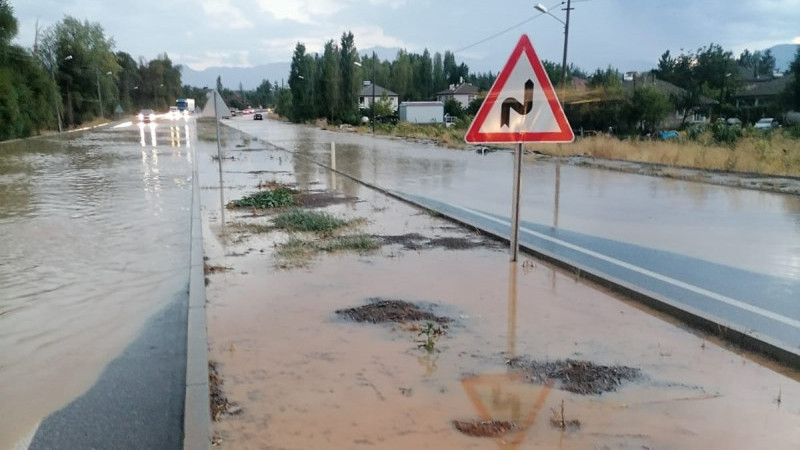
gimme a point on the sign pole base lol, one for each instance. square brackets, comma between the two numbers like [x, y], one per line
[515, 202]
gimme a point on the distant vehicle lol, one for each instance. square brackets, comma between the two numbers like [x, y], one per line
[258, 116]
[185, 105]
[174, 113]
[767, 123]
[733, 121]
[147, 116]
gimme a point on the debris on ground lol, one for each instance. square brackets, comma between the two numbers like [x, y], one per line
[380, 310]
[484, 428]
[416, 241]
[218, 401]
[580, 377]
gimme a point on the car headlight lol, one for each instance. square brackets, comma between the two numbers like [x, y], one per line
[141, 117]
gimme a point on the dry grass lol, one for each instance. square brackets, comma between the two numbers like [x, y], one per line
[777, 155]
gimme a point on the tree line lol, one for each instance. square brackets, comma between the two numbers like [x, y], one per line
[75, 75]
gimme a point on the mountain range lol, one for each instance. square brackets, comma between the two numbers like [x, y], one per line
[251, 77]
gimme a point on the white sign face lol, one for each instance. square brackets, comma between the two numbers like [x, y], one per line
[522, 105]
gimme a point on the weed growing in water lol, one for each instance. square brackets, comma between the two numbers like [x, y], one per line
[265, 199]
[432, 333]
[302, 220]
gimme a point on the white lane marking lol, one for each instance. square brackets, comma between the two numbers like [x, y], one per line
[690, 287]
[27, 440]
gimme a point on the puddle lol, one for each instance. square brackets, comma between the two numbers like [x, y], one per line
[306, 378]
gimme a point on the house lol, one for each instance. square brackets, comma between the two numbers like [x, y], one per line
[761, 91]
[631, 81]
[370, 93]
[422, 112]
[464, 93]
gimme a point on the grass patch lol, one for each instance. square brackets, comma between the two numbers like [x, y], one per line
[275, 198]
[313, 221]
[255, 228]
[297, 252]
[355, 242]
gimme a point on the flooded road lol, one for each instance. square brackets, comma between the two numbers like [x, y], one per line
[746, 229]
[300, 376]
[95, 234]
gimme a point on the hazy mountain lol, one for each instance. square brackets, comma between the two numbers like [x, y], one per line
[784, 55]
[249, 77]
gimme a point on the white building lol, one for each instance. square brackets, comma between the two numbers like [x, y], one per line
[464, 93]
[367, 95]
[422, 112]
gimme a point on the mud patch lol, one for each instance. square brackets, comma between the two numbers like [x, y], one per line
[416, 241]
[319, 199]
[484, 428]
[382, 310]
[208, 268]
[580, 377]
[219, 403]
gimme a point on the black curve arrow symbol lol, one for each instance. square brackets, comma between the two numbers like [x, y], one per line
[512, 103]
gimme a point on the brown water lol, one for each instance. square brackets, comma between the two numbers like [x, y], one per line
[95, 239]
[747, 229]
[305, 378]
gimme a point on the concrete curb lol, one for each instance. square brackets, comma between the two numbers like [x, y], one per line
[196, 415]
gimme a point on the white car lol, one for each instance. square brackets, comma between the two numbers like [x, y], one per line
[766, 123]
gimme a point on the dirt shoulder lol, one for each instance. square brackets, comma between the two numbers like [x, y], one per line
[399, 329]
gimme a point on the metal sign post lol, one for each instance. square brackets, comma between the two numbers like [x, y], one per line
[521, 107]
[515, 202]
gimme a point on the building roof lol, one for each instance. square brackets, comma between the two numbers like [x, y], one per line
[366, 91]
[461, 89]
[649, 79]
[422, 104]
[765, 87]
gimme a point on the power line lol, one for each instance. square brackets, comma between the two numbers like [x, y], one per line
[505, 30]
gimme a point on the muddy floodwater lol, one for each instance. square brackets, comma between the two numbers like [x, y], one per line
[297, 374]
[748, 229]
[94, 230]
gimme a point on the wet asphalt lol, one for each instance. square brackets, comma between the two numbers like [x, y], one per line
[138, 400]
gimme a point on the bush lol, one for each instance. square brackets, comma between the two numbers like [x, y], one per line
[266, 199]
[794, 131]
[725, 134]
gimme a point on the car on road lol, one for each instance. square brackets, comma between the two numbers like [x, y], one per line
[147, 116]
[767, 123]
[258, 116]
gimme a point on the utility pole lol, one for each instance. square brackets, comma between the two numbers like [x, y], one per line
[373, 92]
[566, 40]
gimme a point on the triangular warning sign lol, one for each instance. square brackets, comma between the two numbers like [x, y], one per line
[522, 105]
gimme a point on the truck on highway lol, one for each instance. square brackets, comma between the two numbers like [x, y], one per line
[185, 105]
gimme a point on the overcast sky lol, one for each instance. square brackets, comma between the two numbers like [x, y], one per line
[626, 34]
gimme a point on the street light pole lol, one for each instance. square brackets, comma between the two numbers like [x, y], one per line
[373, 92]
[544, 10]
[99, 96]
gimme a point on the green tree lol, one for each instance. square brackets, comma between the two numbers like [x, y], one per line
[351, 84]
[81, 57]
[793, 89]
[439, 81]
[402, 75]
[423, 76]
[300, 85]
[648, 107]
[331, 77]
[28, 94]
